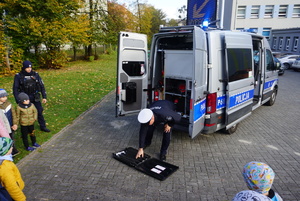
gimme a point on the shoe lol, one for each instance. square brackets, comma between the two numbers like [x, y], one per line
[36, 145]
[15, 153]
[30, 149]
[45, 129]
[162, 157]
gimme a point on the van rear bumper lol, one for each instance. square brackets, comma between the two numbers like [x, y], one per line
[210, 125]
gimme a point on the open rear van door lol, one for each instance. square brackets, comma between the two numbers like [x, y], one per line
[239, 68]
[132, 73]
[198, 96]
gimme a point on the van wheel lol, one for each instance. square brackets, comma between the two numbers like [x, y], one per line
[231, 129]
[272, 99]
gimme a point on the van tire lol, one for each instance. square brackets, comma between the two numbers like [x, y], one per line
[232, 129]
[272, 98]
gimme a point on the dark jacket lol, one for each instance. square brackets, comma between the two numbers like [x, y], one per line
[33, 92]
[164, 112]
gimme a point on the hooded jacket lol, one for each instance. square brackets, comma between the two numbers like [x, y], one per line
[11, 179]
[26, 116]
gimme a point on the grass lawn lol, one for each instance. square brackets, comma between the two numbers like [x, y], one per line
[70, 91]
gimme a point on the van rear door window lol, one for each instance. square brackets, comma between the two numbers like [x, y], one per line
[134, 68]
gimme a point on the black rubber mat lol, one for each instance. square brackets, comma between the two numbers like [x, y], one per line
[151, 166]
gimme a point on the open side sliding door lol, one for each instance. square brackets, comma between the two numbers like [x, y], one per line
[239, 68]
[132, 71]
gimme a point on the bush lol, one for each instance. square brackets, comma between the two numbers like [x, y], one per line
[53, 59]
[91, 58]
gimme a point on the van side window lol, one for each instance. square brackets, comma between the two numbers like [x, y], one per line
[239, 64]
[270, 61]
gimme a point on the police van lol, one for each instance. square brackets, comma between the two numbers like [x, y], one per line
[215, 77]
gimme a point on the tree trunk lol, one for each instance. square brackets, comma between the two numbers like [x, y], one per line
[74, 53]
[90, 50]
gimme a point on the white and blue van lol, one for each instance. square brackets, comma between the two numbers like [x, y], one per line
[215, 77]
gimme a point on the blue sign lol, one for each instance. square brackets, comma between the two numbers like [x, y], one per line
[199, 109]
[200, 10]
[240, 98]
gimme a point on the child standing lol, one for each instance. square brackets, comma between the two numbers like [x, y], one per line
[10, 114]
[26, 116]
[10, 176]
[259, 177]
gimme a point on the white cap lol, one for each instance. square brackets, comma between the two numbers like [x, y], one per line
[145, 115]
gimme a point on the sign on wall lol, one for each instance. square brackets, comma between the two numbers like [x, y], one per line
[200, 10]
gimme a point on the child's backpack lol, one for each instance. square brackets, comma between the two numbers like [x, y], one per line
[4, 195]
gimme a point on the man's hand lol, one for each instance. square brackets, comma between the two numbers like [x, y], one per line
[140, 153]
[167, 128]
[44, 100]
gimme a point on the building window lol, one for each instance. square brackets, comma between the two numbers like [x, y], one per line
[255, 11]
[282, 11]
[241, 12]
[269, 11]
[287, 43]
[296, 10]
[295, 45]
[266, 32]
[280, 43]
[274, 43]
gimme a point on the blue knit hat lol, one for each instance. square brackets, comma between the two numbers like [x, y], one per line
[26, 64]
[3, 93]
[5, 145]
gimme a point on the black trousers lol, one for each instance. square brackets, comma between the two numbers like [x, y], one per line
[25, 130]
[165, 141]
[40, 110]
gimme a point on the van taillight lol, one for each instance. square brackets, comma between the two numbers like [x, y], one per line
[156, 95]
[211, 103]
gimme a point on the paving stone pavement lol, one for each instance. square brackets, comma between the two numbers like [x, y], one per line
[77, 164]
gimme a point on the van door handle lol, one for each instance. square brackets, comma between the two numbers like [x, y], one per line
[252, 83]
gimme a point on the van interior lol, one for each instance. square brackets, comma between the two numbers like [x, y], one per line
[172, 78]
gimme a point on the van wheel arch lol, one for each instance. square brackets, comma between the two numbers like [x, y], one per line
[272, 98]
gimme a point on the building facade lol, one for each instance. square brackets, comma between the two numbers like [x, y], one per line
[278, 20]
[285, 41]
